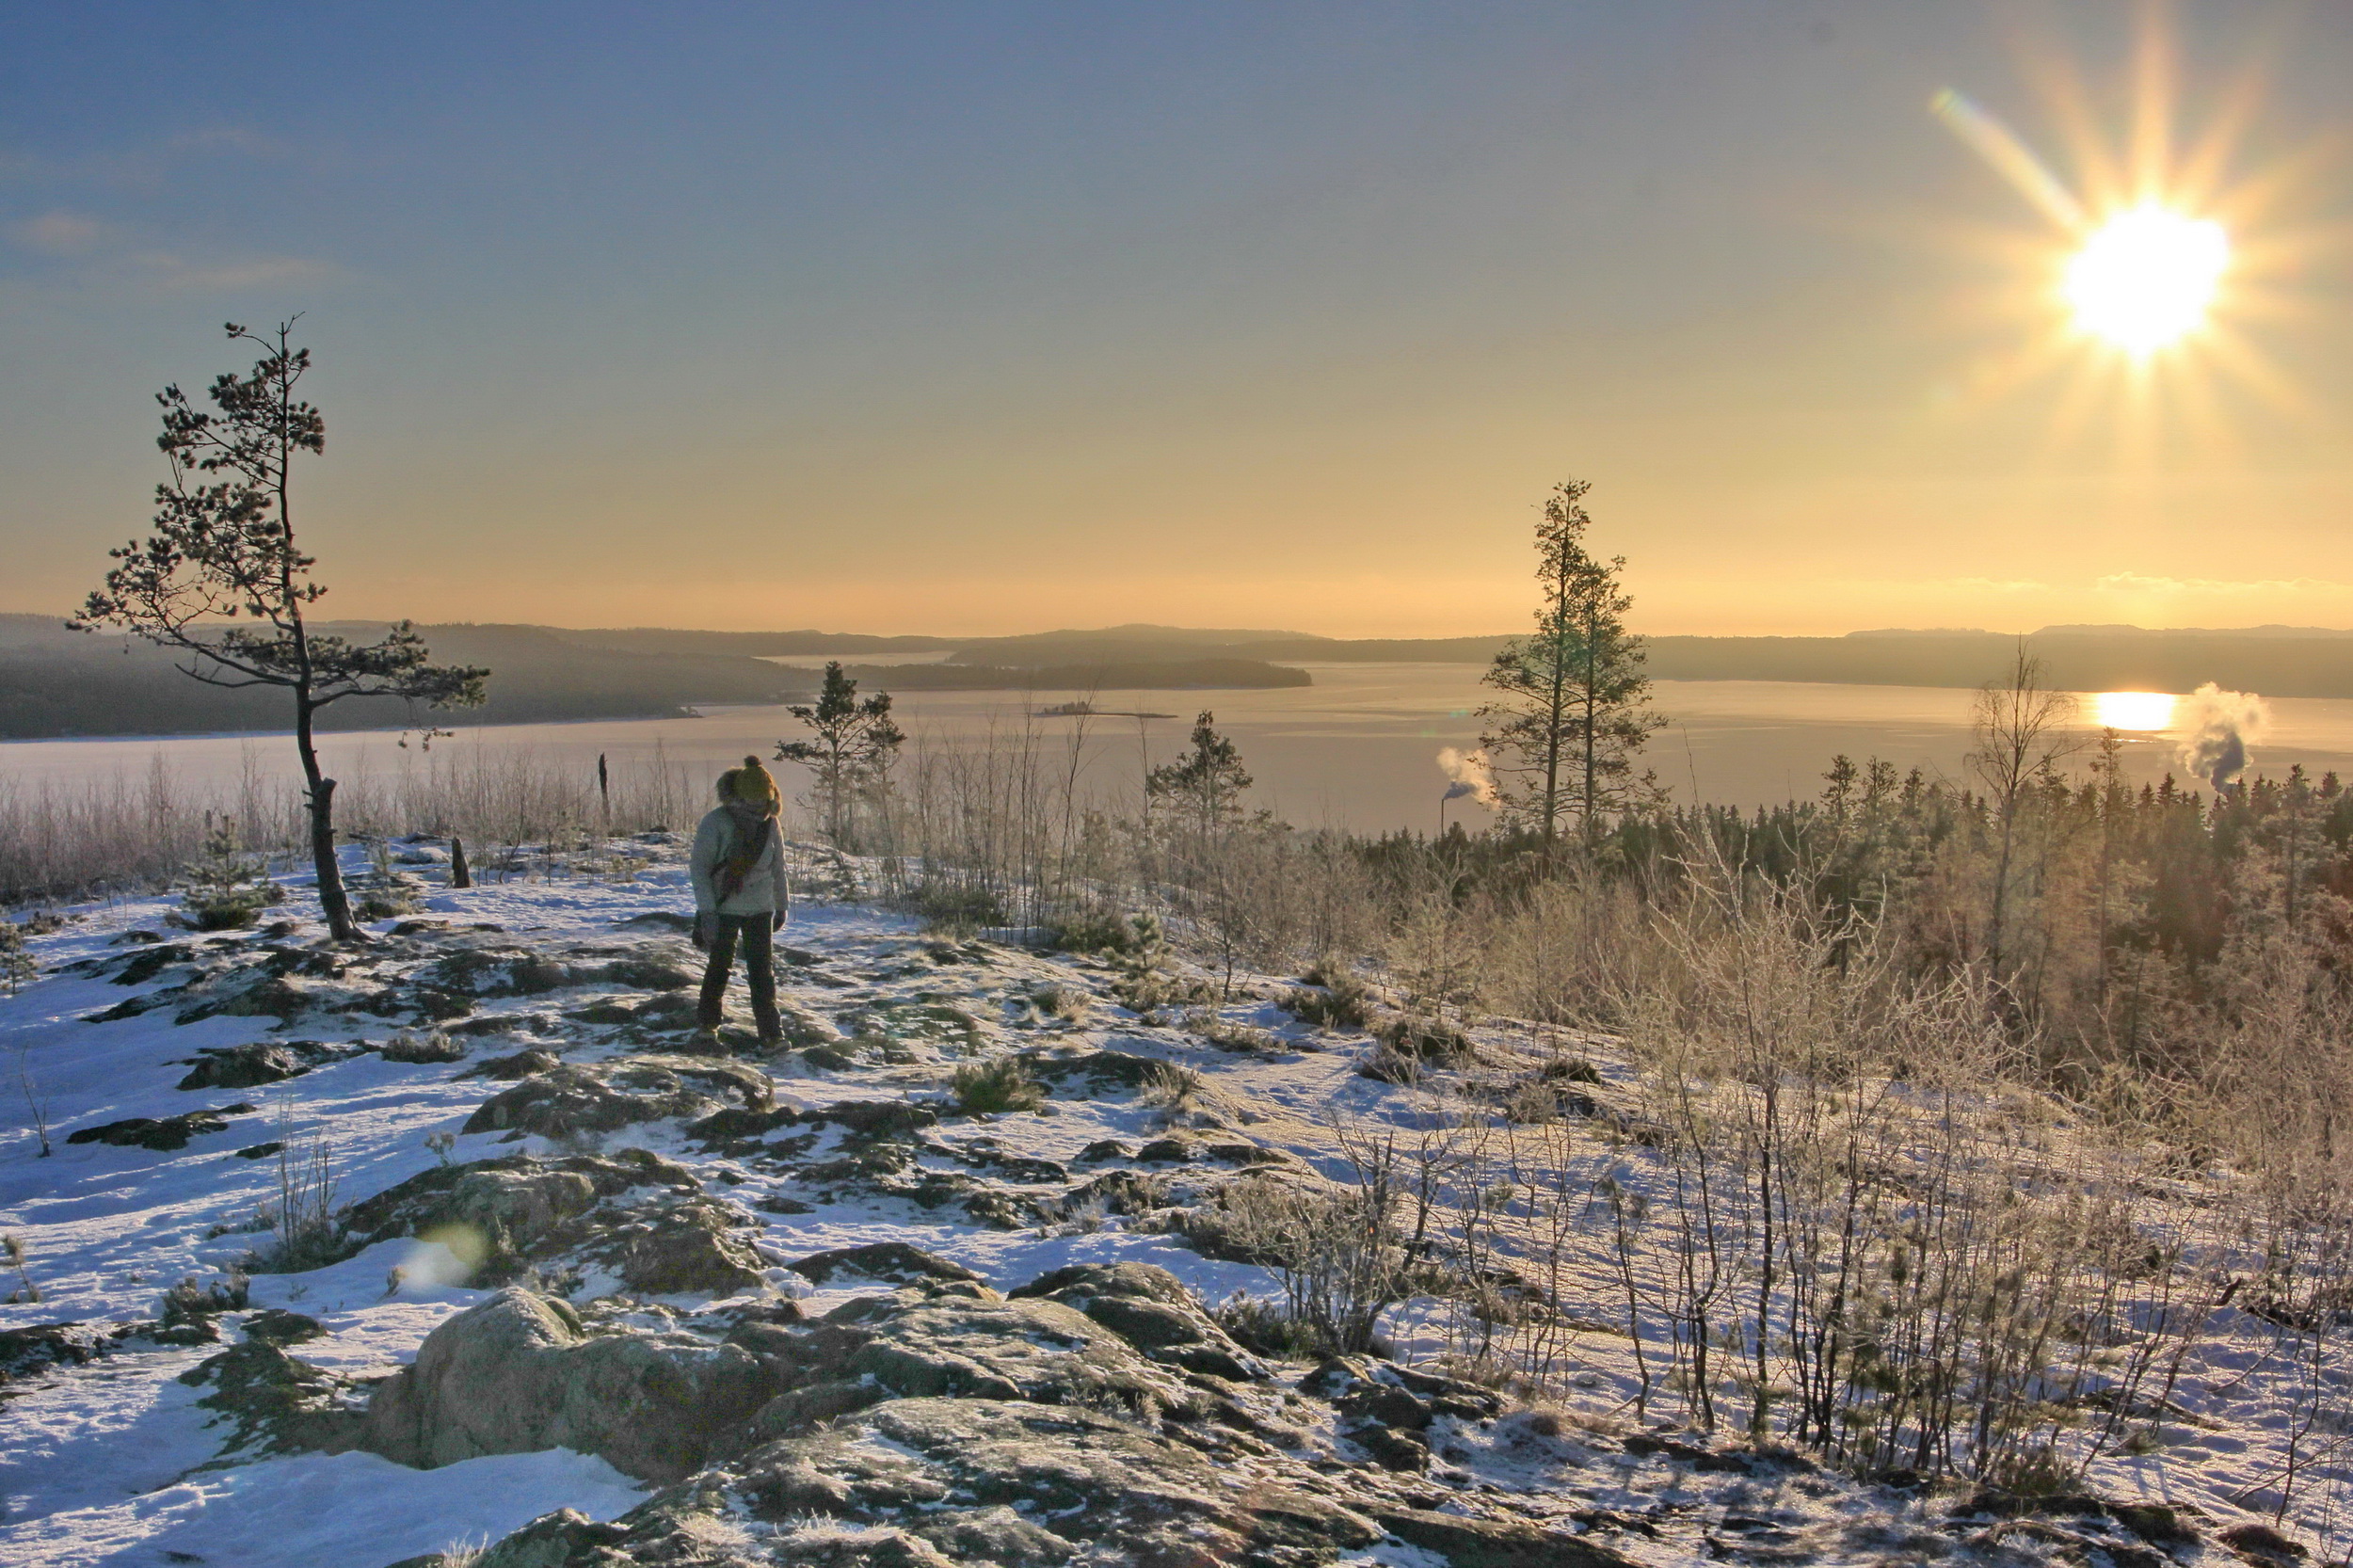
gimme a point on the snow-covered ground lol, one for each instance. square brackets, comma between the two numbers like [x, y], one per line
[115, 1461]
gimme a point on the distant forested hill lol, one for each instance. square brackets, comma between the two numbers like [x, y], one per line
[2086, 659]
[56, 682]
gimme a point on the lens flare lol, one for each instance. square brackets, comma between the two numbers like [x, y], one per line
[2145, 710]
[2146, 278]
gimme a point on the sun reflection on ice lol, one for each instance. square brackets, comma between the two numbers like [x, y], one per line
[2143, 710]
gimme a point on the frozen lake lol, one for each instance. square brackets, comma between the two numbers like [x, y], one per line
[1358, 747]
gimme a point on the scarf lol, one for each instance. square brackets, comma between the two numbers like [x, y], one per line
[753, 829]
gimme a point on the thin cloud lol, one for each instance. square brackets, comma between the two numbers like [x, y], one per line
[60, 233]
[258, 272]
[1999, 584]
[2135, 582]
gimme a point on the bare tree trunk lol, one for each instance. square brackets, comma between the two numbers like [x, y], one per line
[321, 792]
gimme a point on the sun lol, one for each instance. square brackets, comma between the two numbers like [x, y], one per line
[2172, 245]
[2146, 278]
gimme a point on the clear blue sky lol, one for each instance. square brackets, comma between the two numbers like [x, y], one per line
[998, 316]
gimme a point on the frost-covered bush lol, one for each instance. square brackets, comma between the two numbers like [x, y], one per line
[1000, 1084]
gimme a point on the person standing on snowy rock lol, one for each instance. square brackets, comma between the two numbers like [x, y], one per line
[741, 895]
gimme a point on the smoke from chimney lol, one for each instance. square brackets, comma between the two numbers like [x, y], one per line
[2218, 728]
[1471, 775]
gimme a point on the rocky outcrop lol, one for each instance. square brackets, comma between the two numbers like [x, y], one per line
[271, 1402]
[1387, 1410]
[576, 1100]
[36, 1347]
[640, 1217]
[522, 1373]
[1150, 1309]
[422, 1049]
[250, 1067]
[165, 1134]
[893, 1261]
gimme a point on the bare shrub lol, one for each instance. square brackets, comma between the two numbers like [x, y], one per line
[301, 1224]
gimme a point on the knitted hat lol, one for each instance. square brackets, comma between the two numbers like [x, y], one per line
[751, 784]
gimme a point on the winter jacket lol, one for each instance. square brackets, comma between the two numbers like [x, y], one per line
[764, 891]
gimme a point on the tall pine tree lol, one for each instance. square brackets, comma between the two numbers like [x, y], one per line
[1572, 719]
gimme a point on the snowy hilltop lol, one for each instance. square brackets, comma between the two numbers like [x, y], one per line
[450, 1248]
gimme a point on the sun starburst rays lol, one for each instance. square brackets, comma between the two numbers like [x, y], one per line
[2164, 242]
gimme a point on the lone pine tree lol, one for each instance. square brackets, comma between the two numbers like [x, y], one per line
[1571, 719]
[852, 745]
[1206, 783]
[222, 581]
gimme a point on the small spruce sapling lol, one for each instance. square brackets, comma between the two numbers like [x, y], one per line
[17, 968]
[227, 888]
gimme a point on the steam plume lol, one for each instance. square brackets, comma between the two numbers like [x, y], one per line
[1471, 775]
[2219, 726]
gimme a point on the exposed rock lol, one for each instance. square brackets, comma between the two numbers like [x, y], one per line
[1150, 1308]
[989, 1480]
[521, 1372]
[38, 1346]
[893, 1261]
[422, 1049]
[240, 996]
[1037, 1350]
[877, 1119]
[274, 1403]
[639, 1216]
[571, 1100]
[246, 1066]
[648, 974]
[160, 1133]
[274, 1326]
[1114, 1069]
[691, 1247]
[1467, 1543]
[497, 971]
[524, 1064]
[144, 966]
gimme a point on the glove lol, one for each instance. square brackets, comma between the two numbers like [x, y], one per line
[706, 926]
[776, 922]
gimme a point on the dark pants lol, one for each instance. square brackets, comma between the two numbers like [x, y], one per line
[754, 933]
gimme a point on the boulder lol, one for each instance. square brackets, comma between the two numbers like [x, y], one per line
[521, 1372]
